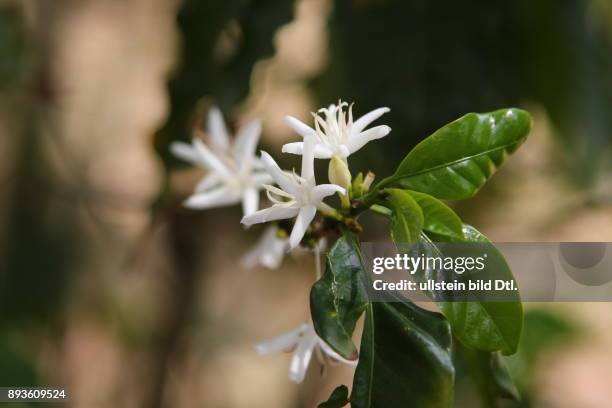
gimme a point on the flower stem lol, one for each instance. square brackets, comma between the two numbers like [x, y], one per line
[317, 251]
[330, 212]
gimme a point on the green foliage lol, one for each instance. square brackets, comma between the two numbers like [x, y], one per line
[407, 217]
[339, 298]
[405, 359]
[458, 159]
[438, 217]
[405, 351]
[338, 398]
[484, 325]
[490, 374]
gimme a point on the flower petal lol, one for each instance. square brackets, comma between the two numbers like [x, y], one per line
[320, 151]
[301, 358]
[302, 221]
[186, 152]
[258, 179]
[324, 190]
[250, 201]
[357, 141]
[366, 119]
[283, 342]
[300, 127]
[209, 181]
[282, 179]
[245, 144]
[251, 258]
[273, 256]
[211, 161]
[219, 197]
[276, 212]
[293, 148]
[308, 159]
[219, 138]
[268, 252]
[343, 152]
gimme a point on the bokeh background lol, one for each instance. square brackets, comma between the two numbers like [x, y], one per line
[109, 287]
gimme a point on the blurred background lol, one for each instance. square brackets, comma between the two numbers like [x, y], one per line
[109, 287]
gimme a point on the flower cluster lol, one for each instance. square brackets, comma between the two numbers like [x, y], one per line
[236, 175]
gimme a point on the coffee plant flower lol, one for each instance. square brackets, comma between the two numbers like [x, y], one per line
[407, 355]
[269, 250]
[304, 342]
[234, 175]
[298, 196]
[335, 132]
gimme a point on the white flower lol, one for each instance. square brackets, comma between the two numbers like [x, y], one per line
[303, 341]
[269, 250]
[298, 196]
[235, 173]
[335, 132]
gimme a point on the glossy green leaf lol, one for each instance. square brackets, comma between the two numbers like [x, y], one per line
[338, 398]
[339, 298]
[490, 374]
[438, 217]
[484, 325]
[407, 217]
[456, 160]
[405, 359]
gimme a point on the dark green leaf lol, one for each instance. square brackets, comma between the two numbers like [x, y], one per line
[438, 217]
[405, 359]
[407, 217]
[490, 374]
[485, 325]
[339, 297]
[456, 160]
[338, 398]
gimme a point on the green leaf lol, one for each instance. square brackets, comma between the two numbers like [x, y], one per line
[407, 218]
[456, 160]
[405, 359]
[438, 217]
[484, 325]
[339, 298]
[338, 398]
[490, 374]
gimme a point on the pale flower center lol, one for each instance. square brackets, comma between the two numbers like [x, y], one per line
[281, 197]
[333, 125]
[278, 196]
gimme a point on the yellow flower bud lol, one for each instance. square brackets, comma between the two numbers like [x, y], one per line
[367, 181]
[339, 173]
